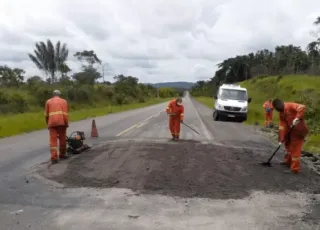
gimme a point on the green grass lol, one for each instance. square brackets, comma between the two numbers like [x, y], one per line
[292, 88]
[289, 88]
[27, 122]
[208, 101]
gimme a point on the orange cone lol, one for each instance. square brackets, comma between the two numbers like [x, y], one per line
[94, 131]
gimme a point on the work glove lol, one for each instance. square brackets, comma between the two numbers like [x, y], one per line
[295, 121]
[280, 143]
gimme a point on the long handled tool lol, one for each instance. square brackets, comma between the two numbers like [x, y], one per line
[191, 128]
[268, 163]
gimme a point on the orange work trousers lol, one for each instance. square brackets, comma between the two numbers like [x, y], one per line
[293, 154]
[174, 126]
[268, 118]
[57, 133]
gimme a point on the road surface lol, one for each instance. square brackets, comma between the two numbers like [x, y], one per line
[142, 180]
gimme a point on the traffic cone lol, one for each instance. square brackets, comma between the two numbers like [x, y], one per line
[94, 131]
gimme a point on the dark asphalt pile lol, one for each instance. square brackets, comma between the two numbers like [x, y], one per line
[180, 169]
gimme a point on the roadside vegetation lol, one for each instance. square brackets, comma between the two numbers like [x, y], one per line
[22, 99]
[288, 72]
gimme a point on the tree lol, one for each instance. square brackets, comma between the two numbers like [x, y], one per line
[50, 59]
[64, 69]
[317, 21]
[11, 77]
[284, 59]
[34, 80]
[88, 56]
[88, 76]
[89, 73]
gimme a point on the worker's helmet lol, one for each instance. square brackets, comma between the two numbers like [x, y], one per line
[56, 92]
[179, 101]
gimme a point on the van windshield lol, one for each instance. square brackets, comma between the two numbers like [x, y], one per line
[231, 94]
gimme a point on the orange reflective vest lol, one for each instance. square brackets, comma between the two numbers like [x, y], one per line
[56, 112]
[178, 110]
[291, 111]
[268, 104]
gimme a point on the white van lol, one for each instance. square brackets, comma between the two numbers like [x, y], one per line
[231, 102]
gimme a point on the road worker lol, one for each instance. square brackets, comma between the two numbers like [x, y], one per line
[291, 116]
[175, 110]
[268, 113]
[56, 115]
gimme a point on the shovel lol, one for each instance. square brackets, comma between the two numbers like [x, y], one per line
[191, 128]
[268, 163]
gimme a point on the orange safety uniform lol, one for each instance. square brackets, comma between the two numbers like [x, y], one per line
[268, 116]
[295, 141]
[56, 114]
[174, 120]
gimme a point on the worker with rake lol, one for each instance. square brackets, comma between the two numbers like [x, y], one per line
[291, 119]
[175, 110]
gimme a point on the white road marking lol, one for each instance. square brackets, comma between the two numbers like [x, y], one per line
[126, 130]
[158, 113]
[17, 212]
[139, 124]
[205, 131]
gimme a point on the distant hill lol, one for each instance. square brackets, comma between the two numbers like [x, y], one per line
[177, 84]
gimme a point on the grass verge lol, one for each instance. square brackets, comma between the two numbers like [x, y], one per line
[26, 122]
[291, 88]
[302, 89]
[208, 101]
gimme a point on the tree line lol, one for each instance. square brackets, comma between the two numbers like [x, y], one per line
[284, 60]
[19, 94]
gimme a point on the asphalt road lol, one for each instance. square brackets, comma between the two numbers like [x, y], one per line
[30, 202]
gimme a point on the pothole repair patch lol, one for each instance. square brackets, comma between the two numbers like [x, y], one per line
[181, 169]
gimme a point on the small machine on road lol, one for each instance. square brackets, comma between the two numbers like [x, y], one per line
[75, 143]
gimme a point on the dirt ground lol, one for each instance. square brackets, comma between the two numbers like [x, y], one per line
[184, 169]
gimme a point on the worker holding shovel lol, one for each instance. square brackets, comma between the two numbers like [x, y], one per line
[291, 116]
[175, 110]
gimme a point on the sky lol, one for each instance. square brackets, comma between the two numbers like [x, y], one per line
[155, 40]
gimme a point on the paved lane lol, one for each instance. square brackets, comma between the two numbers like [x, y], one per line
[33, 203]
[156, 127]
[27, 149]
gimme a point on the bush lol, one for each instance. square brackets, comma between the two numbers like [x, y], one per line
[18, 103]
[298, 89]
[12, 103]
[33, 94]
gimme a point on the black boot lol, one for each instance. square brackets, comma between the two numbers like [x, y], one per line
[64, 157]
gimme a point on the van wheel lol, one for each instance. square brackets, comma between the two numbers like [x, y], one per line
[215, 116]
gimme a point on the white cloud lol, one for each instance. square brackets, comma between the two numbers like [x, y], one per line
[158, 40]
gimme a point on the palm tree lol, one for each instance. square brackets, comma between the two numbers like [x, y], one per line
[317, 21]
[49, 58]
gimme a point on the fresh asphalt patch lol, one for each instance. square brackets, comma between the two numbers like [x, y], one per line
[183, 169]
